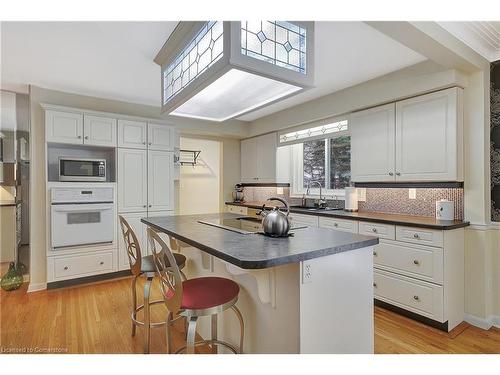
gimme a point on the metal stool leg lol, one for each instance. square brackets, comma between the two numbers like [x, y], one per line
[191, 335]
[147, 327]
[168, 327]
[242, 326]
[214, 333]
[134, 303]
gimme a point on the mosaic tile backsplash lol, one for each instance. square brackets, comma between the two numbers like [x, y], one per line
[396, 201]
[386, 200]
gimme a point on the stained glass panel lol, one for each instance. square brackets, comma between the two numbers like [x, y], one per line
[278, 42]
[334, 127]
[199, 54]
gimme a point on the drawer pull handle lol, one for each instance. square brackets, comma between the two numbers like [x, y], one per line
[335, 225]
[416, 298]
[416, 236]
[374, 285]
[374, 230]
[101, 263]
[391, 174]
[416, 262]
[65, 268]
[398, 173]
[374, 253]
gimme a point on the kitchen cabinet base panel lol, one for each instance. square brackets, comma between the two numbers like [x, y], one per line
[88, 279]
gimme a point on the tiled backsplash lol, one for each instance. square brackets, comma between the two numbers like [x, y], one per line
[386, 200]
[395, 200]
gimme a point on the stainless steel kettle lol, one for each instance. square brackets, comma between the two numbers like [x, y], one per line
[275, 222]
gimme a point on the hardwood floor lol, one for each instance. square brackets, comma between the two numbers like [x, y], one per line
[95, 319]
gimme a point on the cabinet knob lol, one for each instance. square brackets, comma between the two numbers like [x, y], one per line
[65, 268]
[416, 262]
[150, 206]
[143, 143]
[144, 206]
[374, 253]
[391, 174]
[86, 137]
[398, 173]
[416, 298]
[416, 236]
[150, 143]
[335, 224]
[101, 263]
[374, 230]
[374, 285]
[79, 137]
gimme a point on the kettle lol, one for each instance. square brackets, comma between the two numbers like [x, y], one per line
[238, 193]
[275, 222]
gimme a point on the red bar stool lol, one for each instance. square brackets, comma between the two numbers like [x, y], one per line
[193, 298]
[144, 266]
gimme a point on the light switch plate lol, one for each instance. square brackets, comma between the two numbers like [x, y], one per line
[361, 194]
[279, 191]
[412, 193]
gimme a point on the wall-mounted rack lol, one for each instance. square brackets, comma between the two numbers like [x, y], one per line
[189, 157]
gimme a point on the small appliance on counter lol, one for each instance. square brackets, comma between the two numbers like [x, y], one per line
[238, 196]
[276, 223]
[445, 210]
[351, 199]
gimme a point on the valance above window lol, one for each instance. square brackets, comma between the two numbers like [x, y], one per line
[328, 128]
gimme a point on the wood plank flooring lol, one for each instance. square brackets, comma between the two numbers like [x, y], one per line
[95, 318]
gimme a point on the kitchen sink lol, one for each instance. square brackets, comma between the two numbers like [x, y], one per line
[316, 208]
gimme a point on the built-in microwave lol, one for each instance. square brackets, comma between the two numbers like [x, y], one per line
[78, 169]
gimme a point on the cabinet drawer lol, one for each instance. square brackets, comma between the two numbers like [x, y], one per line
[309, 220]
[80, 265]
[237, 209]
[386, 231]
[423, 262]
[413, 295]
[429, 237]
[338, 224]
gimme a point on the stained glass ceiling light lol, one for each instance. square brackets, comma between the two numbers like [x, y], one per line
[218, 70]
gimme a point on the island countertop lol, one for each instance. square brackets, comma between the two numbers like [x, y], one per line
[256, 251]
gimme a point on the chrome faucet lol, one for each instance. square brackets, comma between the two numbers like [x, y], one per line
[318, 202]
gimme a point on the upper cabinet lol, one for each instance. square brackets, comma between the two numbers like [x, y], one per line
[372, 144]
[132, 134]
[417, 139]
[75, 128]
[160, 137]
[258, 159]
[64, 127]
[99, 131]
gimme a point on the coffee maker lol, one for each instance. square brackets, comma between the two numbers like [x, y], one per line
[238, 193]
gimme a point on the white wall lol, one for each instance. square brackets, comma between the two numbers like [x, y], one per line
[199, 186]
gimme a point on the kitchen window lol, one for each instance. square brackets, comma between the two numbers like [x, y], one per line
[323, 157]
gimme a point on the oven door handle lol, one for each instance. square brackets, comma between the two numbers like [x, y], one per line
[82, 208]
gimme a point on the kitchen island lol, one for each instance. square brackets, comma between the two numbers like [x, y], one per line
[311, 292]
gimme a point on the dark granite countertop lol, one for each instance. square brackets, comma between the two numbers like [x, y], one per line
[376, 217]
[256, 251]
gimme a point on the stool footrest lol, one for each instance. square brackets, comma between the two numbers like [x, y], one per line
[216, 342]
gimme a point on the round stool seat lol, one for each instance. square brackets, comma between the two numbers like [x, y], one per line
[206, 292]
[148, 265]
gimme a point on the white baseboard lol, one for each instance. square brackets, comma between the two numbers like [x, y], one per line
[36, 287]
[493, 320]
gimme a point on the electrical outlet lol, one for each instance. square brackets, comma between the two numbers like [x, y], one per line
[306, 273]
[361, 194]
[412, 193]
[279, 191]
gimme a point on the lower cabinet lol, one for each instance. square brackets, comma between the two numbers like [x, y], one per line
[299, 220]
[338, 224]
[81, 264]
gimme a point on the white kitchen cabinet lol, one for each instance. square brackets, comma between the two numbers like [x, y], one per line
[372, 144]
[132, 134]
[298, 220]
[161, 137]
[164, 236]
[63, 127]
[429, 137]
[258, 159]
[132, 180]
[413, 140]
[160, 180]
[99, 131]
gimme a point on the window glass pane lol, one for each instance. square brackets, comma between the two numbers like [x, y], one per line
[314, 162]
[340, 162]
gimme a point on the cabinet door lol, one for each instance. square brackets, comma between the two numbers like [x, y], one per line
[139, 229]
[160, 180]
[132, 134]
[249, 160]
[372, 144]
[99, 131]
[160, 137]
[163, 236]
[132, 180]
[429, 137]
[266, 158]
[63, 127]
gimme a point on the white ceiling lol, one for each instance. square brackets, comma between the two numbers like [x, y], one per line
[114, 60]
[481, 36]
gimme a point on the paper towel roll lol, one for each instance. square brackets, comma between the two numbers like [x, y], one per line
[351, 199]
